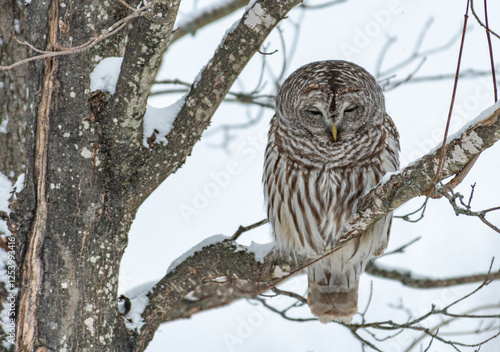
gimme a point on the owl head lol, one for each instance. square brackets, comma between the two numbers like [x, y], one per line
[332, 102]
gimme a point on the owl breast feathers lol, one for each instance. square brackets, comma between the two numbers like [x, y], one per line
[330, 141]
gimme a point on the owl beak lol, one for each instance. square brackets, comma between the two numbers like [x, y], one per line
[334, 132]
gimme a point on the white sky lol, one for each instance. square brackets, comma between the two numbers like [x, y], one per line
[449, 246]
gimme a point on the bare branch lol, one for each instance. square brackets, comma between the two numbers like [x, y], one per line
[409, 279]
[115, 28]
[321, 6]
[421, 209]
[242, 229]
[283, 313]
[464, 209]
[402, 248]
[449, 321]
[479, 20]
[206, 17]
[443, 148]
[415, 55]
[490, 50]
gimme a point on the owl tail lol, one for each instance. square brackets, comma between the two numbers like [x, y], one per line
[332, 296]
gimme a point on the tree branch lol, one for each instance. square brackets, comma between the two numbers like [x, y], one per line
[225, 260]
[407, 278]
[206, 17]
[146, 45]
[149, 167]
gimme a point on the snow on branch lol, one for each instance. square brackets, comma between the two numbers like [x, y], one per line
[226, 259]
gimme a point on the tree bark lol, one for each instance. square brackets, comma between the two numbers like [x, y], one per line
[13, 93]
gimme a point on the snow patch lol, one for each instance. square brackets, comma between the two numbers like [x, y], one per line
[159, 121]
[105, 75]
[260, 250]
[205, 243]
[388, 175]
[484, 114]
[5, 192]
[133, 319]
[3, 125]
[90, 325]
[257, 16]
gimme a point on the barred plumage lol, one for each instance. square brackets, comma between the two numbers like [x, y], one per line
[329, 143]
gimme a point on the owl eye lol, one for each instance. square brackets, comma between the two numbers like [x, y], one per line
[314, 112]
[351, 108]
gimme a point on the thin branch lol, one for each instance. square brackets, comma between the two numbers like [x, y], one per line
[464, 209]
[115, 28]
[407, 278]
[283, 313]
[294, 295]
[242, 229]
[321, 6]
[480, 22]
[485, 282]
[490, 49]
[205, 17]
[389, 84]
[421, 209]
[443, 148]
[402, 248]
[416, 53]
[364, 341]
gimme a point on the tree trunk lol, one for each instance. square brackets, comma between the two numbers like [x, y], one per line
[72, 242]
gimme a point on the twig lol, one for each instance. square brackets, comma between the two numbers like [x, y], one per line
[471, 195]
[323, 5]
[416, 53]
[205, 17]
[387, 84]
[115, 28]
[282, 313]
[242, 229]
[264, 53]
[364, 341]
[486, 282]
[490, 49]
[289, 294]
[447, 322]
[452, 198]
[422, 208]
[126, 5]
[407, 278]
[443, 148]
[479, 21]
[402, 248]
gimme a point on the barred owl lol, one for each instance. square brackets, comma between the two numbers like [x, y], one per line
[330, 141]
